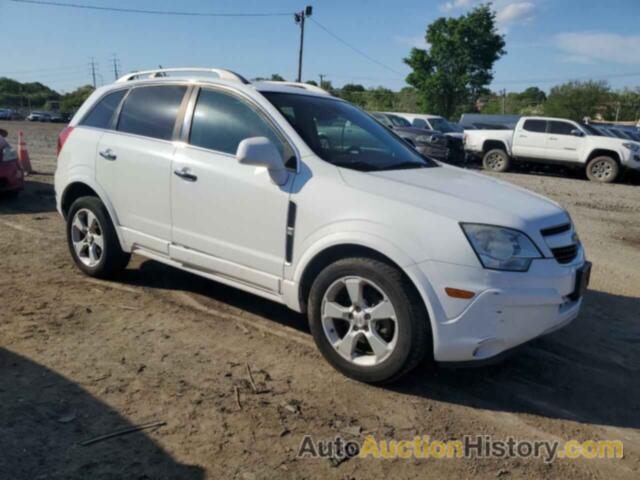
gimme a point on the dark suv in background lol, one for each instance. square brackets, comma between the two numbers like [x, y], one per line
[430, 143]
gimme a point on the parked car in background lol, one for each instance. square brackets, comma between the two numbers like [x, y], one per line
[432, 144]
[57, 117]
[9, 114]
[394, 257]
[555, 141]
[11, 173]
[37, 116]
[439, 124]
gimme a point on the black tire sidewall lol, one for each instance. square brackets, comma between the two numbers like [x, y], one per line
[389, 280]
[504, 156]
[614, 164]
[112, 255]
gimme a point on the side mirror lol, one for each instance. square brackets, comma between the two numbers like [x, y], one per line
[577, 133]
[262, 152]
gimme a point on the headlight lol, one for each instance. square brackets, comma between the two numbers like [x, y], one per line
[8, 155]
[501, 248]
[634, 147]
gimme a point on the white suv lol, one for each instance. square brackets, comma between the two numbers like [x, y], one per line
[395, 258]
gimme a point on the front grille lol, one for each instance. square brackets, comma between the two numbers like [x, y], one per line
[547, 232]
[565, 254]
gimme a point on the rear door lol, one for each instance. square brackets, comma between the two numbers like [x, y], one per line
[530, 140]
[134, 162]
[562, 145]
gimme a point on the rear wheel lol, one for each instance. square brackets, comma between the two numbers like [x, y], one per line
[603, 170]
[367, 320]
[496, 160]
[92, 239]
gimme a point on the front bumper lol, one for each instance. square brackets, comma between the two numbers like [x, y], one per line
[11, 176]
[509, 308]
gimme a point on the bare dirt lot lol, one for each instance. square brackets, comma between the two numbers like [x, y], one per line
[81, 358]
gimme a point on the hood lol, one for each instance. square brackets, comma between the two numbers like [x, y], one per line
[462, 196]
[457, 135]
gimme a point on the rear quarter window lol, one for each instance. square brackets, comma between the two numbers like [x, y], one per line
[101, 114]
[152, 111]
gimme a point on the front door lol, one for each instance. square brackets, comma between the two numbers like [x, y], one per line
[228, 219]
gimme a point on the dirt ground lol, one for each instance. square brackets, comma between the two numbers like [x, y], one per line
[81, 358]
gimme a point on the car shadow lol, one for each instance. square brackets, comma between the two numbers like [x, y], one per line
[37, 197]
[586, 372]
[44, 417]
[158, 275]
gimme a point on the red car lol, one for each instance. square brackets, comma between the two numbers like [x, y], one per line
[11, 173]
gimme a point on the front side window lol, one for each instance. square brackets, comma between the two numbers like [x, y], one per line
[441, 125]
[399, 121]
[344, 135]
[221, 121]
[101, 114]
[538, 126]
[152, 111]
[561, 128]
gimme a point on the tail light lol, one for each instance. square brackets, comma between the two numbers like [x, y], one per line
[62, 138]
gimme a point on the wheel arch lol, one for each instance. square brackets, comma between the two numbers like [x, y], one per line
[81, 187]
[604, 152]
[493, 145]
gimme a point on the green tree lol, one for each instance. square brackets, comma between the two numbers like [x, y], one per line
[577, 100]
[457, 68]
[73, 100]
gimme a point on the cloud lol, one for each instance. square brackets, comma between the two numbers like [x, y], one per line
[457, 5]
[599, 47]
[508, 12]
[416, 41]
[514, 13]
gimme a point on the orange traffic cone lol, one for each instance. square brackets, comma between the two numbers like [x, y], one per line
[23, 154]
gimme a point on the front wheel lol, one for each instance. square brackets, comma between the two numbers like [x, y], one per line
[603, 170]
[367, 320]
[92, 239]
[496, 160]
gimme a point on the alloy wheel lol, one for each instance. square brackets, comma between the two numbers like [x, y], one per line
[359, 321]
[87, 238]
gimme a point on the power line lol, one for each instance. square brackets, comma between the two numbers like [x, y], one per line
[149, 12]
[355, 49]
[560, 80]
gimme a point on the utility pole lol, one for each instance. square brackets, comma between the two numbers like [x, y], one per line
[322, 75]
[504, 100]
[299, 19]
[93, 71]
[115, 61]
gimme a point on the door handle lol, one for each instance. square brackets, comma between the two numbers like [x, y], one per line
[185, 174]
[553, 138]
[108, 154]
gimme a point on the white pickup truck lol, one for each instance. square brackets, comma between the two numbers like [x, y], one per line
[554, 141]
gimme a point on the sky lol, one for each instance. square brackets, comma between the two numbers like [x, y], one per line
[548, 41]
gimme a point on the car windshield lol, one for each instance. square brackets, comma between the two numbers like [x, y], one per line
[399, 121]
[441, 125]
[345, 136]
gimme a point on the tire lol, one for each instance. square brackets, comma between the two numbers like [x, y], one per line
[406, 334]
[496, 160]
[92, 239]
[603, 169]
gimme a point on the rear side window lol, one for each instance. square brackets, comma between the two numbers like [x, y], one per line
[102, 113]
[561, 128]
[420, 123]
[539, 126]
[221, 121]
[151, 111]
